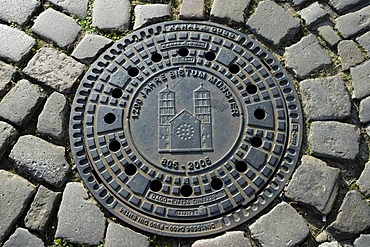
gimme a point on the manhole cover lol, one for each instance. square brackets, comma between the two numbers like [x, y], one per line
[186, 128]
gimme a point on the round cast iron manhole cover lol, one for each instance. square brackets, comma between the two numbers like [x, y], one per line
[186, 128]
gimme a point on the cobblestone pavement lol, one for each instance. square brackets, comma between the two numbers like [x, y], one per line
[45, 48]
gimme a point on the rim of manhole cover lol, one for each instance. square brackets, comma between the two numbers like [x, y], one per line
[186, 128]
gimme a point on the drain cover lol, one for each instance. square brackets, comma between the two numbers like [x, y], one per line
[186, 128]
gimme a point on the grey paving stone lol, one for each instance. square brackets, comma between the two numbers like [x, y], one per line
[313, 14]
[52, 120]
[23, 238]
[334, 140]
[54, 69]
[7, 73]
[368, 130]
[330, 244]
[329, 35]
[353, 217]
[150, 13]
[90, 47]
[15, 193]
[299, 2]
[361, 80]
[76, 7]
[80, 221]
[232, 10]
[282, 226]
[11, 51]
[40, 160]
[330, 92]
[21, 102]
[7, 135]
[192, 9]
[349, 54]
[231, 239]
[42, 209]
[363, 182]
[362, 241]
[353, 23]
[314, 184]
[17, 11]
[112, 15]
[306, 56]
[343, 5]
[365, 110]
[119, 236]
[57, 27]
[364, 41]
[285, 30]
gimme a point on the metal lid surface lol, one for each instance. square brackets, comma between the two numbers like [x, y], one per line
[186, 128]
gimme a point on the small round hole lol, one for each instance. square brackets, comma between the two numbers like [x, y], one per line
[156, 185]
[251, 89]
[114, 146]
[234, 68]
[186, 190]
[130, 169]
[259, 114]
[156, 57]
[133, 71]
[256, 142]
[183, 52]
[210, 56]
[217, 184]
[241, 166]
[117, 93]
[109, 118]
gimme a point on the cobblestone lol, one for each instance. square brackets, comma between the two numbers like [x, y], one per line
[54, 69]
[313, 14]
[52, 120]
[21, 102]
[23, 238]
[361, 80]
[18, 11]
[330, 244]
[286, 26]
[79, 220]
[14, 52]
[349, 54]
[192, 9]
[362, 241]
[314, 184]
[90, 47]
[7, 135]
[7, 73]
[231, 239]
[306, 56]
[42, 208]
[232, 10]
[119, 236]
[334, 140]
[329, 35]
[353, 217]
[354, 23]
[15, 193]
[289, 230]
[40, 160]
[344, 5]
[365, 111]
[364, 42]
[112, 15]
[363, 182]
[76, 7]
[57, 27]
[299, 2]
[150, 13]
[329, 91]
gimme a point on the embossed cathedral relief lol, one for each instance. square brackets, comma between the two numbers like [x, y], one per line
[185, 131]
